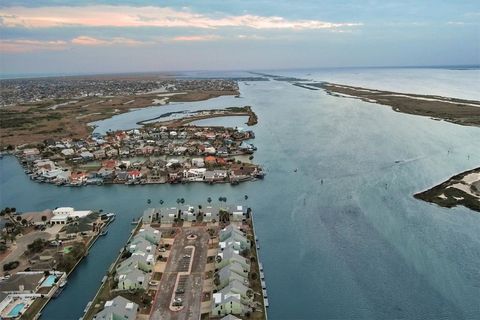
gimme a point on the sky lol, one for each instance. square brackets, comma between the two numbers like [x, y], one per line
[64, 37]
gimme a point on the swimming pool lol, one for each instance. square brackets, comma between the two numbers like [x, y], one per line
[49, 281]
[15, 312]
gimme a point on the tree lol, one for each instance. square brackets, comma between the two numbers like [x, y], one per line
[161, 201]
[18, 218]
[13, 210]
[44, 218]
[246, 197]
[182, 201]
[209, 200]
[24, 222]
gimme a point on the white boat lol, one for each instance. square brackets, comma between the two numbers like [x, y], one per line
[111, 216]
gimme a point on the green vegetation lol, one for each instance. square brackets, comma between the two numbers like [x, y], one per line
[38, 245]
[10, 265]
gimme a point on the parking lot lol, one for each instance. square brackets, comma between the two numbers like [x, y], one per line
[179, 295]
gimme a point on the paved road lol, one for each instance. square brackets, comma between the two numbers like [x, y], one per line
[192, 283]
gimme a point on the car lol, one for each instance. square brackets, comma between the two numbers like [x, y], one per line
[162, 249]
[187, 256]
[177, 303]
[180, 290]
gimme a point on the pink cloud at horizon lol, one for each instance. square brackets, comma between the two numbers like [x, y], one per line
[126, 16]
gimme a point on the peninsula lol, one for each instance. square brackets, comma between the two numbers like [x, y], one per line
[462, 189]
[188, 262]
[458, 111]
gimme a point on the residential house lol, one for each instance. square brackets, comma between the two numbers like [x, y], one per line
[133, 280]
[141, 245]
[118, 308]
[188, 213]
[142, 262]
[148, 215]
[150, 234]
[168, 215]
[226, 275]
[210, 214]
[238, 287]
[229, 256]
[238, 214]
[228, 304]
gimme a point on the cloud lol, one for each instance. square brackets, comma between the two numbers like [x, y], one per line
[90, 41]
[250, 37]
[21, 45]
[128, 16]
[210, 37]
[24, 45]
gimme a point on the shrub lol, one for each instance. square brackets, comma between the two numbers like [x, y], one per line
[11, 265]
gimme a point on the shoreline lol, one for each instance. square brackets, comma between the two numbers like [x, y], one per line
[453, 192]
[458, 111]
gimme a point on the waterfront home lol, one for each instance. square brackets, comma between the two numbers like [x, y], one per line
[194, 174]
[238, 214]
[139, 244]
[228, 231]
[118, 308]
[168, 215]
[210, 214]
[238, 287]
[226, 275]
[63, 214]
[229, 256]
[238, 268]
[237, 245]
[134, 174]
[230, 317]
[188, 213]
[23, 282]
[148, 215]
[142, 262]
[198, 162]
[150, 234]
[228, 304]
[133, 280]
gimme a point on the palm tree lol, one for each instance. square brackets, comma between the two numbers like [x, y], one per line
[182, 201]
[246, 197]
[209, 200]
[178, 200]
[149, 201]
[224, 216]
[161, 201]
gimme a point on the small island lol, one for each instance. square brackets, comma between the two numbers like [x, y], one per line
[460, 190]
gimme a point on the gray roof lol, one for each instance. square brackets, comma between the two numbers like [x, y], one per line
[235, 287]
[119, 307]
[136, 276]
[29, 281]
[226, 274]
[230, 317]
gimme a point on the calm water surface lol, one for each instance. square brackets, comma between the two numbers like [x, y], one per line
[341, 238]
